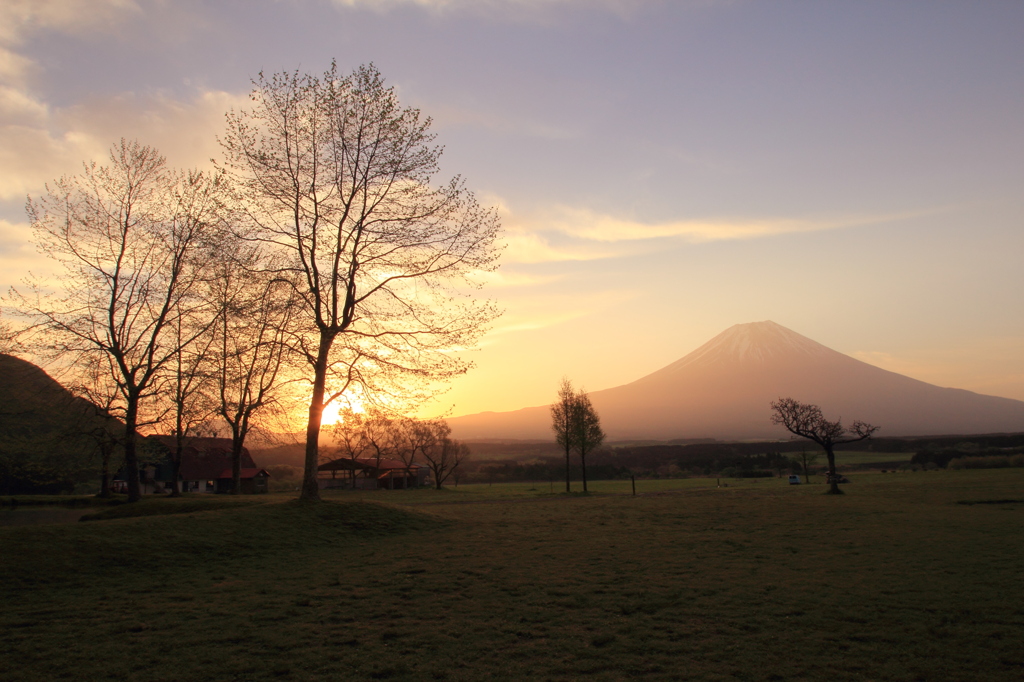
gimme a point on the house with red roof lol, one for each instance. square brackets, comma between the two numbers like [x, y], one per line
[205, 467]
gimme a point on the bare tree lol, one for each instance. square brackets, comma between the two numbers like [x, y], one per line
[586, 428]
[350, 438]
[805, 460]
[807, 421]
[380, 435]
[338, 184]
[129, 236]
[254, 313]
[187, 383]
[563, 418]
[414, 437]
[442, 454]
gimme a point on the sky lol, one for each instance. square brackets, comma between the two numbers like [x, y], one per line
[663, 170]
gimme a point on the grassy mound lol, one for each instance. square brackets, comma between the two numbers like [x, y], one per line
[14, 501]
[172, 539]
[162, 506]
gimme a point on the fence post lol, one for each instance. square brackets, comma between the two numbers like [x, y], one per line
[633, 480]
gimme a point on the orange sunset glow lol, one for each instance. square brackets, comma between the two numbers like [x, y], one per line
[512, 340]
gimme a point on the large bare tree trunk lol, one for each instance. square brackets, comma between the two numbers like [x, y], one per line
[832, 480]
[179, 446]
[131, 459]
[176, 475]
[236, 464]
[310, 489]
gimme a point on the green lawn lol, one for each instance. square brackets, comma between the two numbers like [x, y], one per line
[756, 581]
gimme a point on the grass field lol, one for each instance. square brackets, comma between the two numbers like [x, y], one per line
[911, 576]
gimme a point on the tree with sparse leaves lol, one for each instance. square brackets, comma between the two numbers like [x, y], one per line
[337, 184]
[577, 427]
[804, 460]
[587, 432]
[249, 349]
[187, 383]
[562, 421]
[807, 421]
[442, 454]
[131, 238]
[350, 440]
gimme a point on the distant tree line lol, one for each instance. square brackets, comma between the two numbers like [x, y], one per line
[538, 469]
[969, 455]
[375, 435]
[534, 461]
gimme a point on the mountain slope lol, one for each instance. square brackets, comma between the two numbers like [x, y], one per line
[32, 404]
[44, 431]
[723, 389]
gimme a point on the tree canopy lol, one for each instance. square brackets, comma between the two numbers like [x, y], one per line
[336, 181]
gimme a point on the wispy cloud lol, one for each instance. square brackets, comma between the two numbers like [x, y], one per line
[505, 279]
[561, 233]
[69, 16]
[533, 313]
[523, 246]
[39, 142]
[587, 224]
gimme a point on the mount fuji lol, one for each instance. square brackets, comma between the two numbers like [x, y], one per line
[723, 389]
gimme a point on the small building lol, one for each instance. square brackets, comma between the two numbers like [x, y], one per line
[370, 473]
[205, 468]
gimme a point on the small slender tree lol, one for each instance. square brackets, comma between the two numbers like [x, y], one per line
[187, 383]
[804, 460]
[807, 421]
[586, 428]
[249, 350]
[563, 413]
